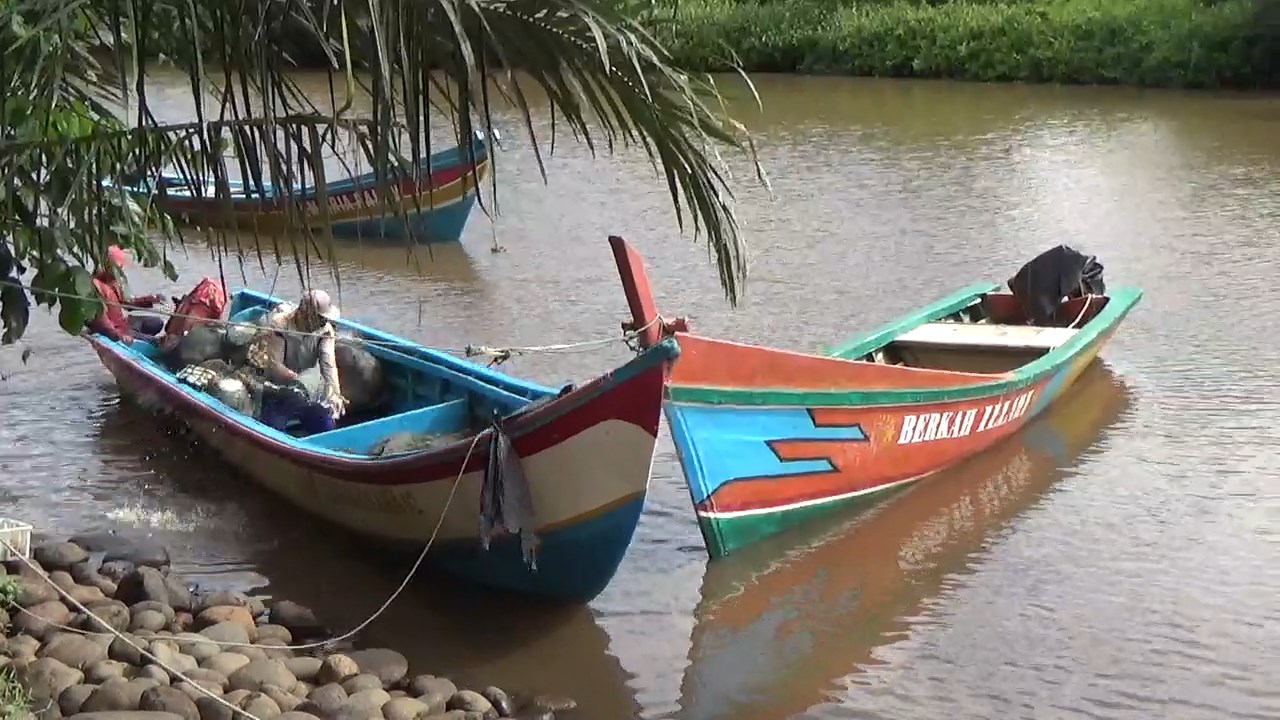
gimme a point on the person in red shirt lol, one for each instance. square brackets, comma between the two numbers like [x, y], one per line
[112, 321]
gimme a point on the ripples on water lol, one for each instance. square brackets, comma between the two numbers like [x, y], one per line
[1118, 561]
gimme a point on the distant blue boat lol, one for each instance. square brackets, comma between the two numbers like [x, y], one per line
[585, 452]
[430, 206]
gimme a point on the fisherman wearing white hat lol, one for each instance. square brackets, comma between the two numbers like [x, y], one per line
[292, 341]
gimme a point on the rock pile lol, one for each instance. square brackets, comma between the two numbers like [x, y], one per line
[217, 646]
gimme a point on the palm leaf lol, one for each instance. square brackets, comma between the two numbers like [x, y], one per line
[72, 122]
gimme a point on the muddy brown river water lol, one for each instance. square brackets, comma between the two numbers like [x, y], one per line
[1119, 559]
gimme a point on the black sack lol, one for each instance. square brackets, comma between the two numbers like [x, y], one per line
[359, 373]
[1057, 273]
[202, 342]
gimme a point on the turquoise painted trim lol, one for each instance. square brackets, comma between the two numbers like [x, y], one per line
[456, 155]
[447, 417]
[1121, 301]
[508, 393]
[860, 345]
[733, 443]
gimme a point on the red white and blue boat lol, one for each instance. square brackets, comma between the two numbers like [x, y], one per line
[585, 453]
[430, 204]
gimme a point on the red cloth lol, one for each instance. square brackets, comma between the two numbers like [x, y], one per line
[206, 301]
[112, 321]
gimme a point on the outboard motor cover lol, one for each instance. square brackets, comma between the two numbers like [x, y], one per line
[1052, 276]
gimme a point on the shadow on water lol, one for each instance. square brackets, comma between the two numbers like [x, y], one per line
[782, 621]
[443, 627]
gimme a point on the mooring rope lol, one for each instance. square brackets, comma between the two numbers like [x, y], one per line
[497, 355]
[222, 643]
[143, 651]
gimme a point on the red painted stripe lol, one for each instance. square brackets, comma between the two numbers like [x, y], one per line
[637, 400]
[406, 186]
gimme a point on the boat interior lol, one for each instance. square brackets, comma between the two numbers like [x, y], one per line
[427, 394]
[991, 335]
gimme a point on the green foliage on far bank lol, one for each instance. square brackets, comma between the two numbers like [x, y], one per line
[1163, 43]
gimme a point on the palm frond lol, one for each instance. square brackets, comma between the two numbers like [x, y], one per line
[79, 126]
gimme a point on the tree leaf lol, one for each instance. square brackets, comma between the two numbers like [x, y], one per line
[49, 278]
[73, 314]
[83, 306]
[80, 283]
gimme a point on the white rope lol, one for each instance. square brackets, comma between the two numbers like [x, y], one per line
[307, 646]
[505, 353]
[79, 606]
[1083, 309]
[499, 354]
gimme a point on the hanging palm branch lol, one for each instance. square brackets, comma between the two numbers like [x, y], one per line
[78, 124]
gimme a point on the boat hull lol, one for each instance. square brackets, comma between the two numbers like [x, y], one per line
[432, 207]
[756, 464]
[587, 456]
[774, 594]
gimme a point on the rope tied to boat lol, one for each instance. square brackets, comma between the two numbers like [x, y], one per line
[497, 355]
[413, 571]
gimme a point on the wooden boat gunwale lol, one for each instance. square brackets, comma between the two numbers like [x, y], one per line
[475, 155]
[1120, 301]
[364, 468]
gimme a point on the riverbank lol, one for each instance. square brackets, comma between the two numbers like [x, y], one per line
[1157, 43]
[96, 625]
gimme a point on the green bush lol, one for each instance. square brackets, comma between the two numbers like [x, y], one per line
[1163, 43]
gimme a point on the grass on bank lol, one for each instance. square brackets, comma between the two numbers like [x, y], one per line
[15, 700]
[1162, 43]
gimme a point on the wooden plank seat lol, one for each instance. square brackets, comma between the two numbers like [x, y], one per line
[988, 336]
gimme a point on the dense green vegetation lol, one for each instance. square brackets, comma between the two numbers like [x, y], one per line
[1167, 43]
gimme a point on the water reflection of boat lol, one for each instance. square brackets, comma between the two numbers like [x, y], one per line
[444, 628]
[447, 263]
[779, 621]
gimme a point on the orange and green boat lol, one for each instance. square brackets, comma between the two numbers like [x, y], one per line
[786, 625]
[769, 438]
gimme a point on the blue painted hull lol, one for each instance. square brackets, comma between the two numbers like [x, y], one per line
[438, 225]
[575, 563]
[431, 207]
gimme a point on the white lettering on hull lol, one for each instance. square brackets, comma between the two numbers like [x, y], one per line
[927, 427]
